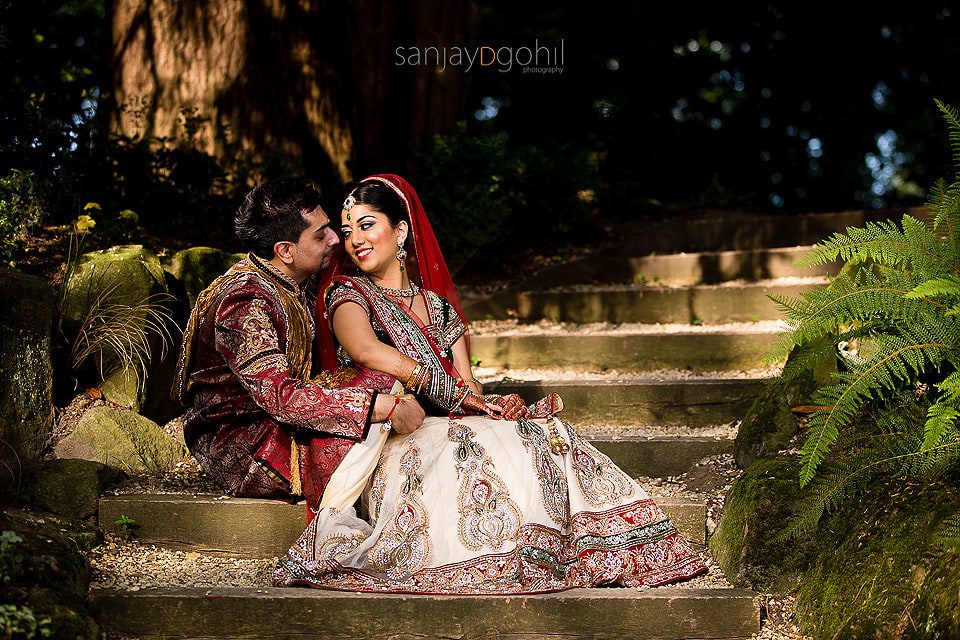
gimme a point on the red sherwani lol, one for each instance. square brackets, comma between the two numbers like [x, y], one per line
[244, 374]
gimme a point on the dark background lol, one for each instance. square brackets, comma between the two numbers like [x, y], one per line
[661, 109]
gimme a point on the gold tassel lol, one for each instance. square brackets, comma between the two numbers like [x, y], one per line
[296, 486]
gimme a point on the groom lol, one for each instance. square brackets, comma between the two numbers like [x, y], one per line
[245, 371]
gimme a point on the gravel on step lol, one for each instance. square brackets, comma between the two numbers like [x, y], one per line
[131, 565]
[506, 328]
[787, 281]
[492, 375]
[616, 431]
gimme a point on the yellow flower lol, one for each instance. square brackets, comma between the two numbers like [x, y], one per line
[131, 215]
[84, 224]
[92, 206]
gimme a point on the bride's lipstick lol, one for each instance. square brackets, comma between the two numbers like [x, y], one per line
[363, 254]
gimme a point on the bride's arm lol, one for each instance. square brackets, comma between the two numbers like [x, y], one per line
[351, 325]
[354, 333]
[461, 360]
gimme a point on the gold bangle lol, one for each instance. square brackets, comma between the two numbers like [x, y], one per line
[412, 378]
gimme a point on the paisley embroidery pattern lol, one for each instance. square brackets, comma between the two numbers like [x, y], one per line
[378, 487]
[333, 548]
[404, 546]
[259, 335]
[601, 481]
[553, 481]
[488, 516]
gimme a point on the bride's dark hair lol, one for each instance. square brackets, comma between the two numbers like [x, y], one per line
[379, 196]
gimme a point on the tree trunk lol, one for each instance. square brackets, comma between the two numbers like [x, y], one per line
[310, 83]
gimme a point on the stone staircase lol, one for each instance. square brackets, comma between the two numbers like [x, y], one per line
[658, 386]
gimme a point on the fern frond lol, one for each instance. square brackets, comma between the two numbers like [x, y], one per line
[952, 117]
[947, 536]
[940, 425]
[886, 242]
[949, 387]
[943, 286]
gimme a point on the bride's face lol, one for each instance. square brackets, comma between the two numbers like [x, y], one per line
[370, 239]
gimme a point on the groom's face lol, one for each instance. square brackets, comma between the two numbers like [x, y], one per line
[314, 249]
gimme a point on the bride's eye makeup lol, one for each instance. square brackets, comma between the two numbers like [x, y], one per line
[365, 223]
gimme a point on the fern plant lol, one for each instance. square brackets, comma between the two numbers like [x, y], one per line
[892, 317]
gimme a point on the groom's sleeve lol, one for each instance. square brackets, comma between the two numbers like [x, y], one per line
[248, 338]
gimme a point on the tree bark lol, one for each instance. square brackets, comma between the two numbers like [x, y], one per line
[309, 84]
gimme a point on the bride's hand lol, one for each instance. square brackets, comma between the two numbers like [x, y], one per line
[477, 404]
[512, 407]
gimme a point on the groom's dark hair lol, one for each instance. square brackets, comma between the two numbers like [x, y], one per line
[273, 212]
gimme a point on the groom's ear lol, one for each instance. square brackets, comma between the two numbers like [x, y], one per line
[284, 251]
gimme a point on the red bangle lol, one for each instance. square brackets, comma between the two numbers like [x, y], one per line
[396, 401]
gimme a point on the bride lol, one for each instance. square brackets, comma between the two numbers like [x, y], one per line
[487, 496]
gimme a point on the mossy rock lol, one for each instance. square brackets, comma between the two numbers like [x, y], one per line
[71, 488]
[51, 577]
[756, 509]
[195, 268]
[875, 573]
[26, 369]
[122, 439]
[769, 425]
[124, 275]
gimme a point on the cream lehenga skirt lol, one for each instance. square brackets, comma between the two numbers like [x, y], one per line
[474, 505]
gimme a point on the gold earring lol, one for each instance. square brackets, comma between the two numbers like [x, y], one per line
[401, 254]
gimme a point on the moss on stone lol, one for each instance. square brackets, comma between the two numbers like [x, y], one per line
[71, 488]
[53, 577]
[26, 370]
[195, 268]
[756, 509]
[126, 275]
[875, 573]
[122, 439]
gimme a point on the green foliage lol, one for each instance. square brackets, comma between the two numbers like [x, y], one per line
[11, 557]
[483, 193]
[20, 623]
[125, 526]
[21, 210]
[891, 319]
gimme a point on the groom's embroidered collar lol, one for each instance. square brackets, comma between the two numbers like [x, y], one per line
[275, 274]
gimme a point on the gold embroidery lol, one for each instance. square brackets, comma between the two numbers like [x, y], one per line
[333, 548]
[378, 487]
[404, 546]
[488, 516]
[601, 481]
[259, 334]
[553, 483]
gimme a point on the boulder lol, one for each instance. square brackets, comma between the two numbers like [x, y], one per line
[195, 268]
[769, 425]
[124, 275]
[48, 576]
[877, 570]
[26, 370]
[756, 510]
[122, 439]
[71, 487]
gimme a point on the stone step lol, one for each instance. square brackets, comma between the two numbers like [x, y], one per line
[625, 351]
[664, 614]
[690, 403]
[625, 303]
[660, 456]
[266, 528]
[705, 267]
[739, 232]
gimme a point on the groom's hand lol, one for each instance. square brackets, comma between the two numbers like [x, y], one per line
[406, 417]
